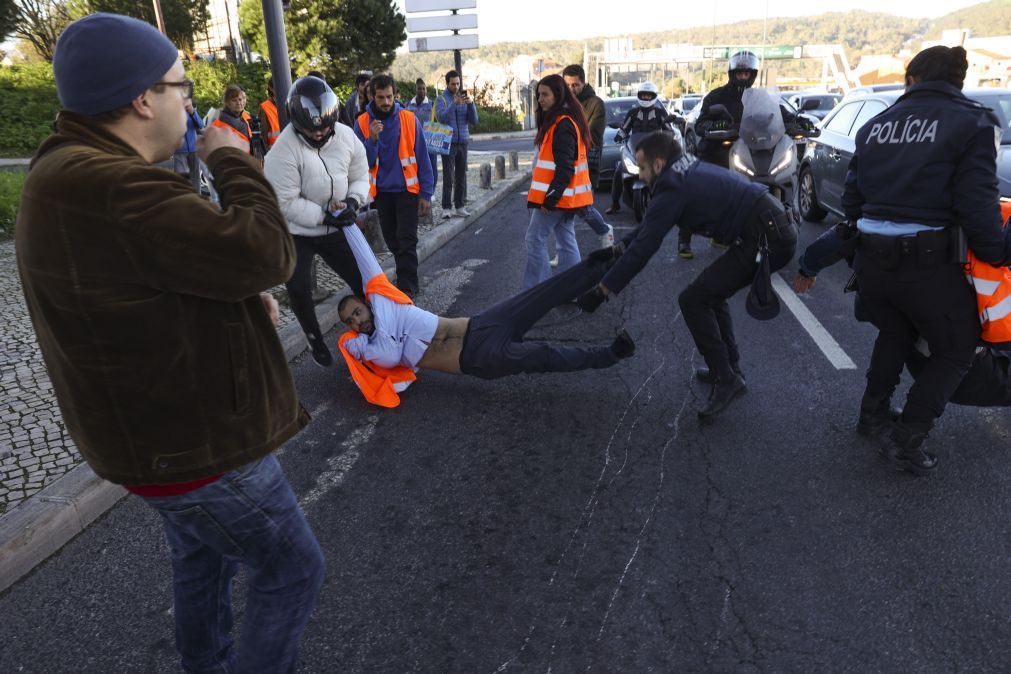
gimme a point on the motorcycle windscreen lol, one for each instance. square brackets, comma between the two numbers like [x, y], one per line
[762, 123]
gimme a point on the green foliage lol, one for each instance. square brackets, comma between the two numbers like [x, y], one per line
[182, 18]
[495, 119]
[11, 183]
[329, 36]
[988, 19]
[8, 18]
[211, 77]
[28, 106]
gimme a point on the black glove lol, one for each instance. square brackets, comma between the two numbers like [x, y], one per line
[345, 218]
[602, 254]
[591, 299]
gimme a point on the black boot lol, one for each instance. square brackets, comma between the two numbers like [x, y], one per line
[903, 449]
[623, 346]
[704, 376]
[320, 353]
[728, 386]
[876, 416]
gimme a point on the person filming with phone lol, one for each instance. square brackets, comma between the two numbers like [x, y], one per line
[455, 108]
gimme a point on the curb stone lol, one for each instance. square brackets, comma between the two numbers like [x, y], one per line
[49, 519]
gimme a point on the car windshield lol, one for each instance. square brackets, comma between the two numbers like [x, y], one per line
[616, 110]
[1000, 102]
[689, 103]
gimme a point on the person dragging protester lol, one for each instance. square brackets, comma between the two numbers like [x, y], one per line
[390, 338]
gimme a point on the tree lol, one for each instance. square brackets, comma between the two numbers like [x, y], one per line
[183, 18]
[8, 18]
[338, 38]
[40, 22]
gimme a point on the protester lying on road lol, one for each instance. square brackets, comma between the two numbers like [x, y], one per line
[986, 384]
[390, 337]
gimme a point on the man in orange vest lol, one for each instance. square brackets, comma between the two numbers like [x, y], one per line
[400, 175]
[270, 124]
[390, 337]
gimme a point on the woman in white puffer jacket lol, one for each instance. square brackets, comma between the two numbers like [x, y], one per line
[318, 168]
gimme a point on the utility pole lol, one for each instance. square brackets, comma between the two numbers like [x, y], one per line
[159, 17]
[277, 47]
[457, 59]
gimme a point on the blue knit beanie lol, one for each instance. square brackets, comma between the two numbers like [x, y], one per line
[104, 61]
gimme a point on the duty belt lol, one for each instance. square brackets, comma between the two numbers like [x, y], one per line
[774, 220]
[926, 248]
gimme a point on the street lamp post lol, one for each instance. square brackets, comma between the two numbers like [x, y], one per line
[277, 47]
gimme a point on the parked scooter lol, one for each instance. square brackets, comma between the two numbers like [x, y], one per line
[762, 148]
[635, 192]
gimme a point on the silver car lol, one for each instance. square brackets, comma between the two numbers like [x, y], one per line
[615, 110]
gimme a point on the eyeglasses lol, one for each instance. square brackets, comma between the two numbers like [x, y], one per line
[185, 85]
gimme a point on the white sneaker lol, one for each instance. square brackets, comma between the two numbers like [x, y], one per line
[607, 240]
[553, 262]
[462, 213]
[446, 215]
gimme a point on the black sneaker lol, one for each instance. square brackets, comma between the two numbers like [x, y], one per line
[872, 424]
[685, 251]
[320, 353]
[623, 346]
[722, 395]
[704, 376]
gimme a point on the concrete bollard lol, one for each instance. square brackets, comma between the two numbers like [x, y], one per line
[514, 160]
[499, 167]
[486, 176]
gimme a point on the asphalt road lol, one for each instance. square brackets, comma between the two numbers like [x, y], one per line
[588, 522]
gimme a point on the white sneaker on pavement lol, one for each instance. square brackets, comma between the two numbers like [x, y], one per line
[446, 215]
[607, 240]
[553, 262]
[462, 212]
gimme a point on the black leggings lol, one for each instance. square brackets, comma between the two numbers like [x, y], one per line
[336, 252]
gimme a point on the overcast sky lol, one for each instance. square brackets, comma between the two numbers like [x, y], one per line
[522, 20]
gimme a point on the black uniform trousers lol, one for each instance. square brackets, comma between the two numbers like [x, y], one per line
[906, 299]
[398, 218]
[336, 252]
[704, 302]
[493, 346]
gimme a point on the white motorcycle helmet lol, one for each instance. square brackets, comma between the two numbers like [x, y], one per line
[647, 94]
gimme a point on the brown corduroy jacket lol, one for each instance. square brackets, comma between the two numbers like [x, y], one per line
[145, 301]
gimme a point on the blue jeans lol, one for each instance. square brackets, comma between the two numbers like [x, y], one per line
[542, 225]
[594, 219]
[248, 516]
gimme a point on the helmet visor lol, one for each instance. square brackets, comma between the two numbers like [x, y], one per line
[319, 111]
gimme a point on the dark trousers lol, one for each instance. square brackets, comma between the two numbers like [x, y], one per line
[398, 218]
[494, 346]
[617, 183]
[336, 252]
[704, 302]
[454, 176]
[908, 301]
[986, 384]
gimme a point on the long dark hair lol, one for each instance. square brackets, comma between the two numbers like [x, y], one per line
[565, 104]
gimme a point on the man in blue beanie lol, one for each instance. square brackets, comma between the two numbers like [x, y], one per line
[146, 301]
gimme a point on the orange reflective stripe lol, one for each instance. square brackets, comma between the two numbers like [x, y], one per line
[405, 150]
[579, 191]
[273, 120]
[993, 299]
[225, 125]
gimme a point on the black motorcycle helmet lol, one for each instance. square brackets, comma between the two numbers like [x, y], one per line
[312, 105]
[743, 60]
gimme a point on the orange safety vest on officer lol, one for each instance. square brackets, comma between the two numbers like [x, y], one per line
[579, 191]
[226, 123]
[405, 149]
[273, 129]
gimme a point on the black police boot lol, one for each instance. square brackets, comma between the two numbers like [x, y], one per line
[320, 353]
[876, 416]
[623, 346]
[704, 376]
[903, 450]
[728, 385]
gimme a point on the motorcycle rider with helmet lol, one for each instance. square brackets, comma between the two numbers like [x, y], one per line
[318, 168]
[648, 117]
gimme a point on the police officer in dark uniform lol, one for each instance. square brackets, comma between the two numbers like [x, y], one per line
[715, 202]
[921, 169]
[649, 116]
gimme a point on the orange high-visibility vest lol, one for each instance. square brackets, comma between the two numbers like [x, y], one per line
[379, 385]
[247, 135]
[408, 162]
[274, 122]
[993, 299]
[579, 191]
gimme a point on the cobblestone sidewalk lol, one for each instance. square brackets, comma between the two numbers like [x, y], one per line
[35, 448]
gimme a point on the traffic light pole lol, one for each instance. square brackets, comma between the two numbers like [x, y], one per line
[280, 64]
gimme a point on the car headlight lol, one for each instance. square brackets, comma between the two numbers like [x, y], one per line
[630, 166]
[740, 165]
[787, 160]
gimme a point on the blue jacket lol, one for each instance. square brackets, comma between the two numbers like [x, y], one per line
[386, 148]
[705, 198]
[931, 159]
[423, 110]
[456, 115]
[193, 124]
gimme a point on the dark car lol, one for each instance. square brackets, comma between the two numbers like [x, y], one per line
[615, 110]
[818, 105]
[827, 158]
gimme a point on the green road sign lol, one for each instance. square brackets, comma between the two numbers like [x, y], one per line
[769, 51]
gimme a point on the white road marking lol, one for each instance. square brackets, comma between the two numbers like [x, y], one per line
[819, 334]
[340, 465]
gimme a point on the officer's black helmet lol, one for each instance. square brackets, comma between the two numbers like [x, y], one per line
[743, 60]
[312, 105]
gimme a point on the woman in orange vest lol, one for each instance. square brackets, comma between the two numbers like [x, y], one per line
[270, 123]
[561, 179]
[235, 118]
